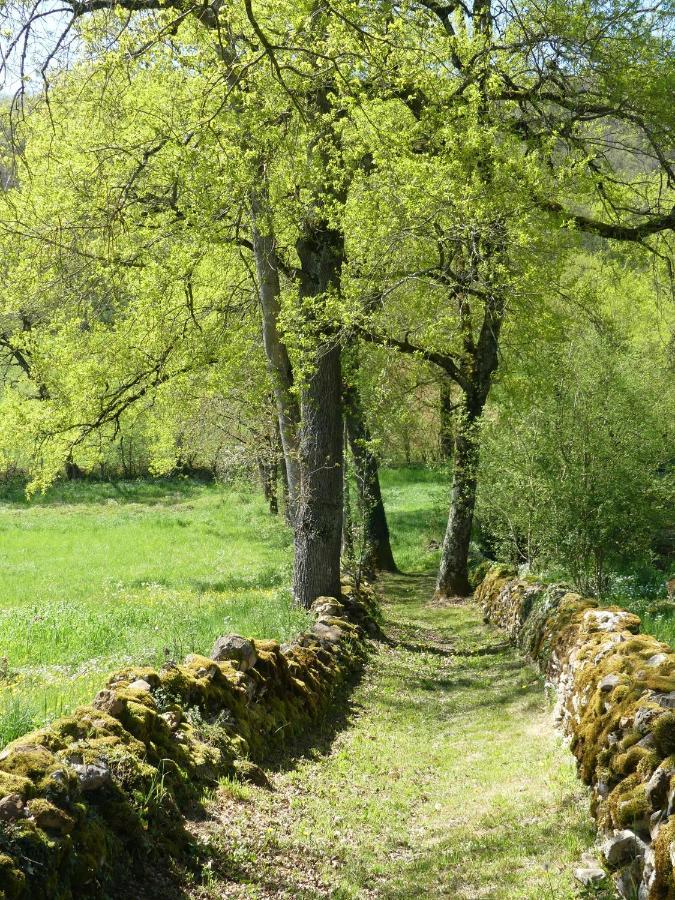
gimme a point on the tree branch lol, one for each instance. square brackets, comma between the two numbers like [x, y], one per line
[615, 231]
[444, 361]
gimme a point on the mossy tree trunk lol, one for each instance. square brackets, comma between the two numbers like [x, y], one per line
[377, 553]
[318, 525]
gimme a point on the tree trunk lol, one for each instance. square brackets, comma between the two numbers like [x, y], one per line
[269, 474]
[347, 521]
[447, 437]
[318, 526]
[278, 361]
[453, 574]
[378, 555]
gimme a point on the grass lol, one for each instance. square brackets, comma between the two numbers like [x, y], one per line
[416, 501]
[449, 781]
[96, 575]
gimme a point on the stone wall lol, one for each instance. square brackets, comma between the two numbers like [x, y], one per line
[92, 800]
[616, 702]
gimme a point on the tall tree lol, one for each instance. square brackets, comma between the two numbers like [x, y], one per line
[435, 158]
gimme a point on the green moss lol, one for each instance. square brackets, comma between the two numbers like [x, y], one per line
[12, 879]
[163, 745]
[627, 763]
[49, 817]
[29, 761]
[663, 731]
[608, 748]
[15, 784]
[664, 887]
[93, 849]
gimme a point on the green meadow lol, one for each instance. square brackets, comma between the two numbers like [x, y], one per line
[97, 575]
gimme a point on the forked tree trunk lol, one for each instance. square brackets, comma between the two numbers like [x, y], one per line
[318, 525]
[278, 361]
[378, 555]
[453, 573]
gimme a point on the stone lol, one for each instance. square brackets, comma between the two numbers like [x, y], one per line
[628, 882]
[666, 700]
[621, 847]
[235, 649]
[588, 876]
[657, 659]
[140, 684]
[327, 633]
[327, 606]
[608, 620]
[59, 776]
[670, 808]
[644, 718]
[602, 789]
[655, 821]
[108, 701]
[657, 788]
[609, 682]
[50, 817]
[209, 672]
[22, 748]
[11, 808]
[173, 718]
[92, 776]
[250, 773]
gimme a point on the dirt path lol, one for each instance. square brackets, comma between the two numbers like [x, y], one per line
[447, 780]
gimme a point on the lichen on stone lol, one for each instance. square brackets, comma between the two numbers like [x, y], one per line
[616, 701]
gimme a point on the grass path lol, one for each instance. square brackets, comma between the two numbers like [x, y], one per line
[447, 780]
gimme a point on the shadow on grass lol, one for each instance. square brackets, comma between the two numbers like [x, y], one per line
[91, 491]
[453, 866]
[318, 738]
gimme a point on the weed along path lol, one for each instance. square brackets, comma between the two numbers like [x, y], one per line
[445, 779]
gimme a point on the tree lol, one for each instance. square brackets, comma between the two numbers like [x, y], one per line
[423, 165]
[580, 481]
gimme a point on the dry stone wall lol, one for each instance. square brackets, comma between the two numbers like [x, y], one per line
[92, 800]
[616, 701]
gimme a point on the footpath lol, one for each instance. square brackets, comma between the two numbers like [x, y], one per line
[442, 777]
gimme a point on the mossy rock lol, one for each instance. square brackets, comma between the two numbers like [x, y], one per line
[12, 879]
[664, 887]
[162, 737]
[663, 731]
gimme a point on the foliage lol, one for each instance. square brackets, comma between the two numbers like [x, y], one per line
[577, 464]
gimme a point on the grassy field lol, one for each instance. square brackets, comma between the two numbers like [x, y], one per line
[93, 576]
[96, 575]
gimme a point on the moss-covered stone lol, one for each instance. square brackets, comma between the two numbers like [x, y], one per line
[616, 688]
[159, 739]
